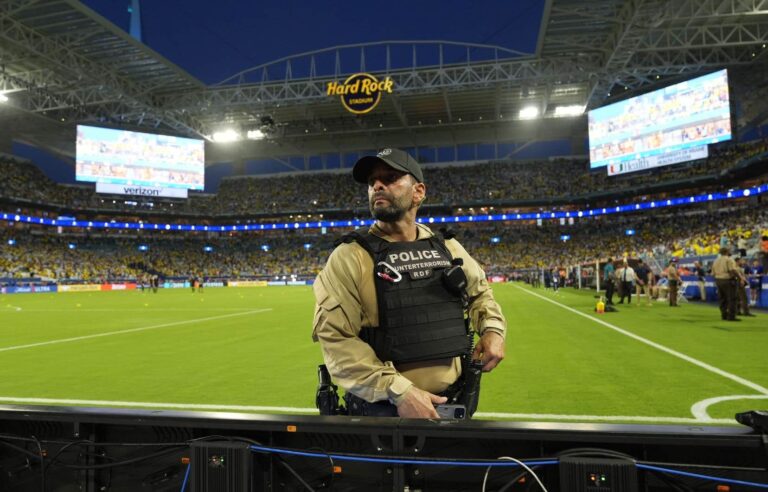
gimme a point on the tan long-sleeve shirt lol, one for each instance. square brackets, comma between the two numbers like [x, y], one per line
[725, 268]
[345, 298]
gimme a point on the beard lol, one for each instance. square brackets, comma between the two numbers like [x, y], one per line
[392, 212]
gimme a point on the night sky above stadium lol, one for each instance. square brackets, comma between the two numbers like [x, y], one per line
[214, 40]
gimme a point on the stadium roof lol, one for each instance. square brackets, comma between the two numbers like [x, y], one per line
[62, 63]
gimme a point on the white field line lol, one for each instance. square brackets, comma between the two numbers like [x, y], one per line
[313, 411]
[699, 409]
[132, 310]
[675, 353]
[130, 330]
[147, 404]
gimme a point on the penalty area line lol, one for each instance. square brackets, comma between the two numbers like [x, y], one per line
[129, 330]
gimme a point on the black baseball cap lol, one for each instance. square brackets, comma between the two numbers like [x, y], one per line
[394, 158]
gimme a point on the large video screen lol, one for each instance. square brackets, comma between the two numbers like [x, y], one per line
[126, 162]
[663, 127]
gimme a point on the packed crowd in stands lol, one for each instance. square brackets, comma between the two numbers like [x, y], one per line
[92, 256]
[448, 185]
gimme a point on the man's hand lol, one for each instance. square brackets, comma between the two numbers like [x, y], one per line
[419, 404]
[489, 349]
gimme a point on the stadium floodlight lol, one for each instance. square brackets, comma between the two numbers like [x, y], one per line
[529, 113]
[3, 98]
[226, 136]
[571, 110]
[255, 135]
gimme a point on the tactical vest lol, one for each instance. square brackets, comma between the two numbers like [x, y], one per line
[419, 317]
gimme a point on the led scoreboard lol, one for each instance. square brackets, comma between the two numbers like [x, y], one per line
[139, 164]
[666, 126]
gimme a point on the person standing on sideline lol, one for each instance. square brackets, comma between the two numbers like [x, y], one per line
[741, 288]
[642, 282]
[726, 274]
[673, 277]
[608, 280]
[626, 275]
[755, 280]
[698, 270]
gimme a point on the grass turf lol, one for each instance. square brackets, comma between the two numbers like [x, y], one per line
[252, 347]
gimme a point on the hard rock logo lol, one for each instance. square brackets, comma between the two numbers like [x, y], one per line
[361, 92]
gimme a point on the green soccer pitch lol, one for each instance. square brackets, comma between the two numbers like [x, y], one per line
[250, 350]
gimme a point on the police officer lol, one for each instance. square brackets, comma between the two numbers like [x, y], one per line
[673, 277]
[391, 328]
[726, 274]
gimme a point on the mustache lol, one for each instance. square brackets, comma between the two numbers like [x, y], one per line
[377, 196]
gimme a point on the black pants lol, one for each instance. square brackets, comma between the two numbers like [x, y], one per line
[743, 304]
[726, 293]
[358, 406]
[673, 285]
[609, 290]
[626, 291]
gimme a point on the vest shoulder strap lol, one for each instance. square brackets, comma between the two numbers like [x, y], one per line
[447, 233]
[371, 243]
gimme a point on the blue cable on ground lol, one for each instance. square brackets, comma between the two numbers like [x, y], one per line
[437, 462]
[705, 477]
[186, 477]
[397, 461]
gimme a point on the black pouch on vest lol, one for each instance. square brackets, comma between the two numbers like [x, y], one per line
[454, 278]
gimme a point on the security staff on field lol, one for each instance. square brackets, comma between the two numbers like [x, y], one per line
[673, 278]
[726, 274]
[390, 326]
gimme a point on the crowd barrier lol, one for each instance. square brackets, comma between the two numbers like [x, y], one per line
[690, 287]
[36, 289]
[92, 449]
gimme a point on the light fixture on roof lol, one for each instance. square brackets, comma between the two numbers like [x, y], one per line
[569, 110]
[226, 136]
[3, 98]
[529, 113]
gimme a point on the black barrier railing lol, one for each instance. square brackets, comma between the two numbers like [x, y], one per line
[63, 448]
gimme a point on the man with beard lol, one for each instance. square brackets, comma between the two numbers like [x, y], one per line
[391, 303]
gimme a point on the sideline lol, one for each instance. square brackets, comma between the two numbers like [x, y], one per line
[313, 411]
[658, 346]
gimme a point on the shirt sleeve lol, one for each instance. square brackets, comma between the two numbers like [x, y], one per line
[484, 312]
[338, 319]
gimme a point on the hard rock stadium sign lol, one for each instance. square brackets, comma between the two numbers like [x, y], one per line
[361, 92]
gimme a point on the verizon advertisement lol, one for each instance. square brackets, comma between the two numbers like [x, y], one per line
[143, 191]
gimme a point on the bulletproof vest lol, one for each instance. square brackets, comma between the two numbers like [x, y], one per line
[419, 317]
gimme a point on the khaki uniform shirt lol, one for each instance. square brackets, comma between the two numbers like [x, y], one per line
[724, 268]
[346, 301]
[672, 273]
